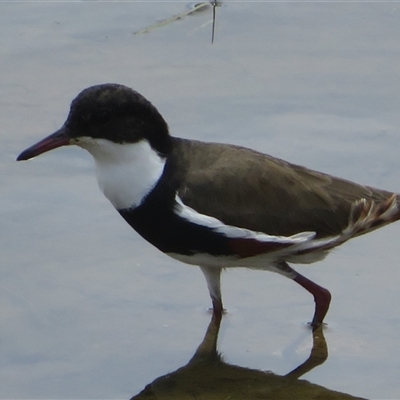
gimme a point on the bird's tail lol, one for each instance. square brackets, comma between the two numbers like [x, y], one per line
[367, 215]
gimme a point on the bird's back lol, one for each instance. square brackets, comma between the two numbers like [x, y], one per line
[248, 189]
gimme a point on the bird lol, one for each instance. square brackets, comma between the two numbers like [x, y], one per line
[214, 205]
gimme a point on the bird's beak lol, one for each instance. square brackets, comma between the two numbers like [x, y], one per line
[57, 139]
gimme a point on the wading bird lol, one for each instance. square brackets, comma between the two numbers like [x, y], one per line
[215, 205]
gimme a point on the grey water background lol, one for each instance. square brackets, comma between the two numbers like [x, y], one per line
[90, 310]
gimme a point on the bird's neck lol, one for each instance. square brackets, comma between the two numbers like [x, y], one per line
[126, 173]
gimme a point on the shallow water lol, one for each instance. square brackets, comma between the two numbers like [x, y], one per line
[88, 309]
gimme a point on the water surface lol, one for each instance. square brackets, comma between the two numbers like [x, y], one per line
[88, 309]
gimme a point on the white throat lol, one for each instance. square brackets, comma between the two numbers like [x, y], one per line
[127, 172]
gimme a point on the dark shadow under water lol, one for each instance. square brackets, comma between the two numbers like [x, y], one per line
[207, 377]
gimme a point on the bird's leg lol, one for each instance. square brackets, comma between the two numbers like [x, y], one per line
[322, 296]
[213, 278]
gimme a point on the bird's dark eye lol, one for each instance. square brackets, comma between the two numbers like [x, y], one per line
[101, 117]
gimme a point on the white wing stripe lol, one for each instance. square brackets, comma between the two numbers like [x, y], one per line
[234, 232]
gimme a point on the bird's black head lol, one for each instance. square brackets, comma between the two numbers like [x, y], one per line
[119, 114]
[108, 111]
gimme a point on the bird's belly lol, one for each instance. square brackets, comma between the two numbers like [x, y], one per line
[262, 261]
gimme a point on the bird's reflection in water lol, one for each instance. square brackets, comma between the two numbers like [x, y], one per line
[207, 377]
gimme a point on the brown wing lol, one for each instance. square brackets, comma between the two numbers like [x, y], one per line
[251, 190]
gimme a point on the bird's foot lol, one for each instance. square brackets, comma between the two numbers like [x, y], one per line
[315, 325]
